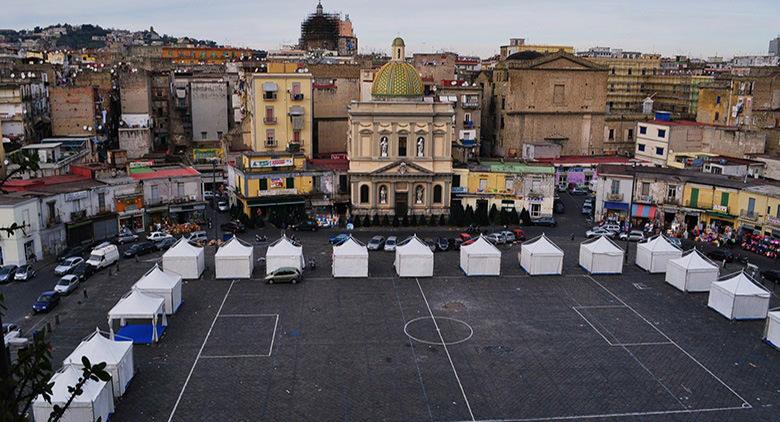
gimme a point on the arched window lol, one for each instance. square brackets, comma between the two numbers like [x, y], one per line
[364, 194]
[437, 194]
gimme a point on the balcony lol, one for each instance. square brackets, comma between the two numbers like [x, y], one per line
[270, 142]
[672, 201]
[470, 104]
[468, 124]
[468, 143]
[749, 215]
[296, 97]
[617, 197]
[78, 215]
[269, 96]
[294, 146]
[269, 120]
[647, 199]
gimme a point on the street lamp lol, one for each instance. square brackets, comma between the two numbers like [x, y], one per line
[630, 208]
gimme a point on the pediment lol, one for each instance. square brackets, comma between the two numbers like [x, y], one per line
[365, 128]
[385, 128]
[402, 167]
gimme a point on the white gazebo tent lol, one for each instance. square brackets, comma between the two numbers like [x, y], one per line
[480, 258]
[234, 259]
[601, 256]
[413, 258]
[350, 259]
[95, 401]
[138, 305]
[185, 259]
[772, 328]
[693, 272]
[653, 254]
[539, 256]
[167, 285]
[738, 296]
[117, 354]
[283, 253]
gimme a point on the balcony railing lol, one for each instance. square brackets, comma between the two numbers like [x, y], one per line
[468, 142]
[269, 120]
[270, 142]
[269, 96]
[614, 197]
[78, 215]
[645, 198]
[749, 215]
[296, 97]
[468, 124]
[470, 104]
[672, 201]
[294, 146]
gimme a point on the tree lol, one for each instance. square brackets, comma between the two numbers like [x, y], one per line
[366, 221]
[405, 221]
[413, 221]
[503, 217]
[493, 215]
[396, 223]
[481, 215]
[468, 216]
[442, 222]
[375, 220]
[514, 217]
[525, 216]
[385, 220]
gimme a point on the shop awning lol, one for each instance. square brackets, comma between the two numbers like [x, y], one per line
[270, 86]
[615, 205]
[721, 215]
[644, 211]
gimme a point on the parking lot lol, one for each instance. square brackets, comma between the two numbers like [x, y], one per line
[447, 348]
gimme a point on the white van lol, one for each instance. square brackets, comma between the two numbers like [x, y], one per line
[103, 255]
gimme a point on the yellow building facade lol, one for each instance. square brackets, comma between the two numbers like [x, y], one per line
[280, 106]
[263, 180]
[760, 208]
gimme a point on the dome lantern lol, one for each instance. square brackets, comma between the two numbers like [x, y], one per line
[397, 78]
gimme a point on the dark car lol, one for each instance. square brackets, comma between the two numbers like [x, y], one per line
[308, 225]
[771, 275]
[78, 250]
[545, 221]
[138, 249]
[338, 239]
[725, 255]
[46, 301]
[7, 273]
[431, 244]
[442, 244]
[83, 271]
[164, 244]
[233, 227]
[558, 207]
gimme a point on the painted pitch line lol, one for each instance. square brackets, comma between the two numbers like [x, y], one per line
[745, 403]
[248, 315]
[592, 326]
[200, 352]
[273, 336]
[446, 350]
[232, 356]
[615, 415]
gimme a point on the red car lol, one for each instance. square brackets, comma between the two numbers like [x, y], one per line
[519, 234]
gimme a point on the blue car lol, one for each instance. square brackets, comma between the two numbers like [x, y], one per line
[46, 302]
[338, 239]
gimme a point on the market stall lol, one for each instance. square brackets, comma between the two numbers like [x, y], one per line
[601, 256]
[146, 314]
[653, 254]
[95, 401]
[772, 328]
[185, 259]
[693, 272]
[738, 296]
[283, 253]
[765, 245]
[117, 354]
[166, 285]
[539, 256]
[234, 259]
[413, 258]
[480, 258]
[350, 259]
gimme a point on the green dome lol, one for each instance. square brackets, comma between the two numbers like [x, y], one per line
[398, 42]
[397, 79]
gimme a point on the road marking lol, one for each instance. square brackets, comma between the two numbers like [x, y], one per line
[615, 415]
[200, 352]
[446, 350]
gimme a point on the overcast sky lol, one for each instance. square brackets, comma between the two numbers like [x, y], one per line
[694, 27]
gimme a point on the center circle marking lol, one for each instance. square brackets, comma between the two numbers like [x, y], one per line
[438, 343]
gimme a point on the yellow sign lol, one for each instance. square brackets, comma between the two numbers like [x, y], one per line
[206, 153]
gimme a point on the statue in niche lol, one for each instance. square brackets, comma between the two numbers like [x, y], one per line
[418, 195]
[383, 147]
[420, 146]
[383, 194]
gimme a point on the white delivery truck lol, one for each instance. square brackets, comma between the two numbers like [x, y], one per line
[103, 255]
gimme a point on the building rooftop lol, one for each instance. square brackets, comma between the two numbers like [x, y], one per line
[513, 167]
[693, 176]
[588, 159]
[12, 199]
[328, 164]
[148, 173]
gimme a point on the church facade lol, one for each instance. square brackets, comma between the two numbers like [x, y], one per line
[399, 146]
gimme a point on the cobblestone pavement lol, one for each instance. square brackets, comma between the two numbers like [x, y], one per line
[623, 347]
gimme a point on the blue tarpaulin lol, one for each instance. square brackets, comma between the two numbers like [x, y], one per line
[140, 333]
[615, 205]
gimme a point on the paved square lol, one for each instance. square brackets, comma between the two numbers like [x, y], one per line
[241, 336]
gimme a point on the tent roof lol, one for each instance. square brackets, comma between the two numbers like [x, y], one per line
[694, 260]
[541, 245]
[157, 279]
[235, 247]
[774, 314]
[413, 246]
[100, 349]
[182, 249]
[658, 244]
[284, 247]
[601, 244]
[742, 285]
[68, 376]
[481, 246]
[350, 247]
[137, 305]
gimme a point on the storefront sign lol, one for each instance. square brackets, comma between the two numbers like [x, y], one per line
[277, 182]
[458, 189]
[275, 192]
[206, 153]
[139, 164]
[75, 196]
[276, 162]
[720, 208]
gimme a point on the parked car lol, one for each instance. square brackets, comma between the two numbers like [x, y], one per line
[519, 234]
[233, 227]
[725, 255]
[496, 238]
[545, 221]
[78, 250]
[197, 236]
[126, 237]
[580, 190]
[376, 243]
[431, 244]
[7, 273]
[46, 302]
[138, 249]
[611, 227]
[338, 239]
[24, 272]
[308, 225]
[67, 265]
[390, 243]
[442, 244]
[587, 209]
[223, 206]
[633, 236]
[10, 331]
[157, 236]
[771, 275]
[284, 275]
[67, 284]
[509, 236]
[598, 231]
[83, 271]
[164, 244]
[207, 195]
[103, 255]
[558, 207]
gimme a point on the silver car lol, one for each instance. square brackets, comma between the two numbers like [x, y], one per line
[68, 265]
[376, 243]
[390, 243]
[67, 284]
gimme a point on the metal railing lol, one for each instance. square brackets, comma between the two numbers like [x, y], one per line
[614, 197]
[749, 215]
